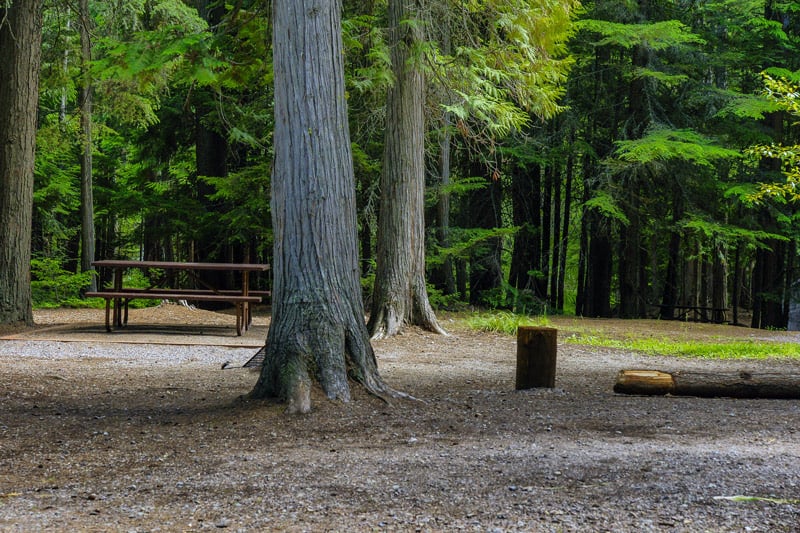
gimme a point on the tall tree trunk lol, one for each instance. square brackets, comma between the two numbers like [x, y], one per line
[669, 298]
[547, 217]
[483, 211]
[719, 283]
[556, 257]
[526, 214]
[599, 268]
[87, 189]
[20, 53]
[400, 296]
[445, 271]
[564, 241]
[446, 275]
[768, 286]
[317, 331]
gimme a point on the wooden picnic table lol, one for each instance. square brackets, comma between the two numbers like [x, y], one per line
[121, 295]
[696, 312]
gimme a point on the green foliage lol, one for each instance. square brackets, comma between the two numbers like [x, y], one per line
[603, 202]
[656, 36]
[662, 144]
[515, 65]
[732, 234]
[465, 243]
[246, 193]
[52, 286]
[56, 192]
[363, 38]
[786, 95]
[440, 301]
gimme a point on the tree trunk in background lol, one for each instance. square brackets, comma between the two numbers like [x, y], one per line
[526, 206]
[445, 270]
[20, 53]
[400, 296]
[555, 269]
[317, 331]
[564, 241]
[445, 273]
[211, 159]
[87, 187]
[719, 283]
[669, 295]
[545, 231]
[599, 268]
[483, 211]
[768, 286]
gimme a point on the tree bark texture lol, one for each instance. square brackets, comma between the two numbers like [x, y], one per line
[20, 53]
[400, 296]
[709, 385]
[317, 331]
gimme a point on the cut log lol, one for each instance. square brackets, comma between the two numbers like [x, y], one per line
[536, 357]
[709, 384]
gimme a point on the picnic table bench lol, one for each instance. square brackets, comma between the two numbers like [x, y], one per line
[120, 296]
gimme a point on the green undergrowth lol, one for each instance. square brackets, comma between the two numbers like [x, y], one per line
[711, 349]
[717, 347]
[503, 322]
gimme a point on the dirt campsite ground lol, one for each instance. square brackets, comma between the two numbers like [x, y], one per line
[142, 430]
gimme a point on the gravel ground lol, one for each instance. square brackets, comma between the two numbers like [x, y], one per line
[97, 434]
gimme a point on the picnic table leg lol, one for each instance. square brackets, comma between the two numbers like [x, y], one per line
[239, 318]
[108, 313]
[246, 316]
[118, 273]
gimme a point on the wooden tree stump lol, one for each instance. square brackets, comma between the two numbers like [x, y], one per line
[709, 384]
[536, 357]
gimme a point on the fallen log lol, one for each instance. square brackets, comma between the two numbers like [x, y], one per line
[709, 384]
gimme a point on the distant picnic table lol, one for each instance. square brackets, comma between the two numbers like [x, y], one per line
[695, 312]
[118, 296]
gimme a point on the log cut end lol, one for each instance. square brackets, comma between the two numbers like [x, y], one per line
[651, 382]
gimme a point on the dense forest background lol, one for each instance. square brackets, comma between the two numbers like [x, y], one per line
[622, 159]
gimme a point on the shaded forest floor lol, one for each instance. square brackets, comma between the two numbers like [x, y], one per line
[142, 430]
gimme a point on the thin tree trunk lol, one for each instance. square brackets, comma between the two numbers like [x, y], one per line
[317, 331]
[525, 215]
[737, 280]
[445, 147]
[541, 281]
[564, 242]
[20, 53]
[87, 189]
[400, 296]
[556, 267]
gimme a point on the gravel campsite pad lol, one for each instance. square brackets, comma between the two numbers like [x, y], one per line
[142, 430]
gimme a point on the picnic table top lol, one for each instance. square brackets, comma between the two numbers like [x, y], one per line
[180, 265]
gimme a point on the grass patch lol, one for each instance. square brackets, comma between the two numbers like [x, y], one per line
[711, 348]
[503, 322]
[702, 349]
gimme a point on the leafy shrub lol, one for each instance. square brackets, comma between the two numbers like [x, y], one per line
[52, 286]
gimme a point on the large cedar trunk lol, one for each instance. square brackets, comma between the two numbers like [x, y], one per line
[20, 52]
[317, 331]
[400, 296]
